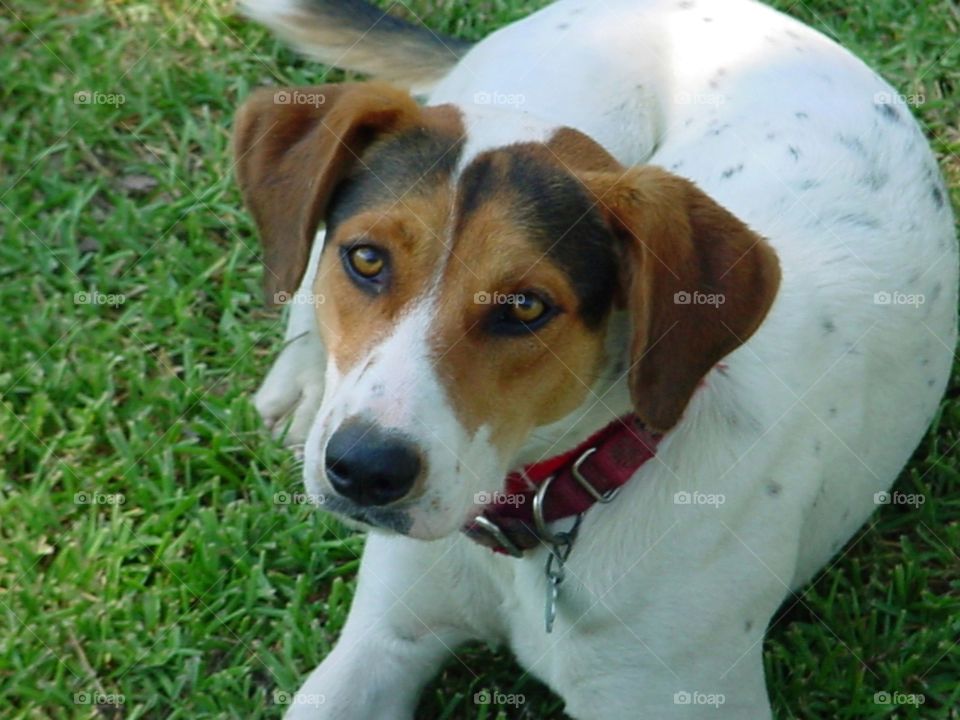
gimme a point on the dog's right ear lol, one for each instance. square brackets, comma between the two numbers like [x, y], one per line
[698, 283]
[292, 147]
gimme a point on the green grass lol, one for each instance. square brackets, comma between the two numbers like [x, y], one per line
[199, 596]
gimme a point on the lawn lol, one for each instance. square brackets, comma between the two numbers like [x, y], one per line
[148, 559]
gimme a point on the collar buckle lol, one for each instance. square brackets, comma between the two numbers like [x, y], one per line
[586, 484]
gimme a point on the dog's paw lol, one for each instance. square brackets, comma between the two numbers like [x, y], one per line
[291, 393]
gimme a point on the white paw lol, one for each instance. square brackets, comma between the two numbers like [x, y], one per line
[291, 393]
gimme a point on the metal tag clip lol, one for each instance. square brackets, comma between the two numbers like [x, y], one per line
[560, 546]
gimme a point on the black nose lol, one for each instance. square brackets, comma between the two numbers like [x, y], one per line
[369, 465]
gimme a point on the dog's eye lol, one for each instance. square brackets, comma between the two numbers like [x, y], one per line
[366, 261]
[527, 308]
[522, 313]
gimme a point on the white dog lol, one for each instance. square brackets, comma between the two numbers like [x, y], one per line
[696, 227]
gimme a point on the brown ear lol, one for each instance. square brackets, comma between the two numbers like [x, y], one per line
[699, 283]
[292, 146]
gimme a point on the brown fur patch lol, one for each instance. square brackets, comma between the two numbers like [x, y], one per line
[511, 383]
[292, 155]
[673, 242]
[504, 245]
[353, 321]
[683, 248]
[409, 223]
[580, 153]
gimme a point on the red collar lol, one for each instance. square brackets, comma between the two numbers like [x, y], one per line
[568, 485]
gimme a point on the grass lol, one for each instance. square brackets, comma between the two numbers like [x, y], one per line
[144, 553]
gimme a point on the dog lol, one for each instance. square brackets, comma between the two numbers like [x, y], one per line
[610, 342]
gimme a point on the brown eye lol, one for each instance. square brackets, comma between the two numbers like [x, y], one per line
[518, 314]
[527, 308]
[366, 261]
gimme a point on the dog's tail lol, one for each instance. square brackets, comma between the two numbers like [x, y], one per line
[356, 35]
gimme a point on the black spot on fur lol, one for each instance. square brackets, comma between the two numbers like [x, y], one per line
[853, 144]
[774, 489]
[731, 171]
[828, 326]
[887, 111]
[801, 116]
[859, 220]
[937, 194]
[716, 131]
[874, 180]
[794, 152]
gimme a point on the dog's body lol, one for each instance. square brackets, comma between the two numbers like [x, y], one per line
[795, 432]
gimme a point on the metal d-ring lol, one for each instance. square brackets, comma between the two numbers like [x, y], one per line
[538, 518]
[559, 540]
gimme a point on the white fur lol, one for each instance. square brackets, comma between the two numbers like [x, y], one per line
[396, 387]
[818, 411]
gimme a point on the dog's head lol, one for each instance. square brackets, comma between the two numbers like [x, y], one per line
[470, 301]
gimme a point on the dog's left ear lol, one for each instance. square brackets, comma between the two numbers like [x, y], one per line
[292, 147]
[698, 283]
